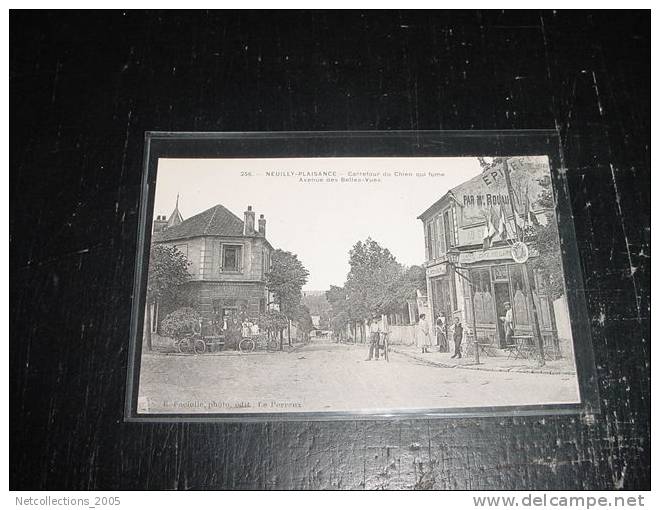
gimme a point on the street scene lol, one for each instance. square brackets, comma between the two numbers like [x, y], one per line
[321, 377]
[356, 298]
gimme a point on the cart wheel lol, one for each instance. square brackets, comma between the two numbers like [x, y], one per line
[246, 345]
[184, 345]
[200, 346]
[273, 345]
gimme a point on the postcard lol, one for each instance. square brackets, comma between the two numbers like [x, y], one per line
[353, 285]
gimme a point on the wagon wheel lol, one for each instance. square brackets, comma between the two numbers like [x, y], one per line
[184, 346]
[200, 346]
[273, 344]
[246, 345]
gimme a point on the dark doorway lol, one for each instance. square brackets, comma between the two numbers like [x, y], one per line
[442, 312]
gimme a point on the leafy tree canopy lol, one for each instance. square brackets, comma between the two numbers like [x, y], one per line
[286, 279]
[548, 265]
[168, 270]
[377, 283]
[304, 319]
[272, 321]
[180, 322]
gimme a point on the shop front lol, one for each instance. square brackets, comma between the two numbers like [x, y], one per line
[443, 300]
[497, 282]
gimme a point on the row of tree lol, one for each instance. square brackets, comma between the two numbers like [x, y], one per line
[285, 281]
[376, 284]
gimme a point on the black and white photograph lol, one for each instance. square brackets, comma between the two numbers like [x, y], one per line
[354, 285]
[259, 252]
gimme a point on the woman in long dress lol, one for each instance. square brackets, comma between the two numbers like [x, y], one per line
[424, 333]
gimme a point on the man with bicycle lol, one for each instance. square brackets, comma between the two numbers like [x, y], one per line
[374, 337]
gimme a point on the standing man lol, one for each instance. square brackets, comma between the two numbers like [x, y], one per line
[458, 337]
[441, 337]
[383, 331]
[508, 323]
[233, 332]
[425, 338]
[374, 338]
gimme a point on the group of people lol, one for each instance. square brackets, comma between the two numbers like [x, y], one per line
[235, 329]
[424, 336]
[456, 330]
[378, 331]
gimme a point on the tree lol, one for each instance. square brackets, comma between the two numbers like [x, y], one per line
[180, 322]
[339, 309]
[372, 279]
[376, 284]
[272, 322]
[545, 238]
[409, 282]
[285, 280]
[548, 264]
[324, 320]
[168, 273]
[304, 320]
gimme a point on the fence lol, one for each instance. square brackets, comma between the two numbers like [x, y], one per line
[403, 335]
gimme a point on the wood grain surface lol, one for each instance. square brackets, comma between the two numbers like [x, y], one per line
[85, 87]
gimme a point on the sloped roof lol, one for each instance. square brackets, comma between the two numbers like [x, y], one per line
[216, 221]
[175, 218]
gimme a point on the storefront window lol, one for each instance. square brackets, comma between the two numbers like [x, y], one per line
[483, 296]
[543, 310]
[519, 299]
[543, 302]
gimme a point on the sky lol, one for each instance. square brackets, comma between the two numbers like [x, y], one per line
[318, 221]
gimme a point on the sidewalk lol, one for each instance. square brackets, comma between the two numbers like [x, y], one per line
[499, 363]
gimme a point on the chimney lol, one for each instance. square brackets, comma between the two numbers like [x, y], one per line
[262, 225]
[248, 226]
[160, 223]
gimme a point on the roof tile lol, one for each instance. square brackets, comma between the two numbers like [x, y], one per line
[216, 221]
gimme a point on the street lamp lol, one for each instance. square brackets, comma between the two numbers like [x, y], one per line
[453, 256]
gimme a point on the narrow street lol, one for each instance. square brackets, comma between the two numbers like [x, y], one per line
[331, 377]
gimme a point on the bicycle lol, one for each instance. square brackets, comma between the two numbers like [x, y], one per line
[250, 343]
[192, 341]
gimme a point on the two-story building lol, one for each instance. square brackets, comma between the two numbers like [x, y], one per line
[476, 219]
[229, 259]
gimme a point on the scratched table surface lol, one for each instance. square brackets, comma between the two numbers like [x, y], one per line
[85, 87]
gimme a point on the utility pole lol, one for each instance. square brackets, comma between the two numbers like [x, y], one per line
[453, 256]
[528, 288]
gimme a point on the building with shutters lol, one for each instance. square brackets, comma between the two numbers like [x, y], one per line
[476, 219]
[229, 258]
